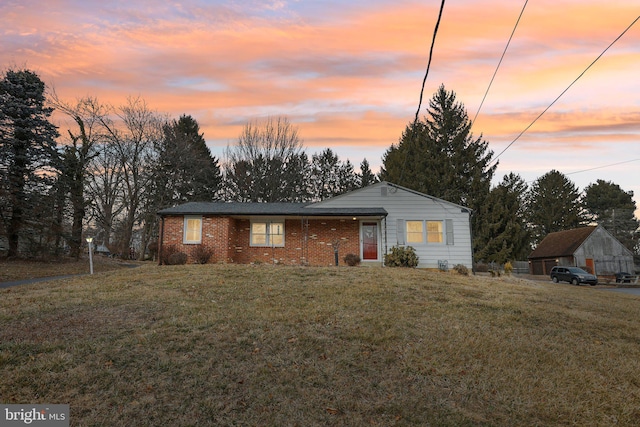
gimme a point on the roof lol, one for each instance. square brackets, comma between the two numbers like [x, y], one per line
[278, 209]
[397, 187]
[562, 243]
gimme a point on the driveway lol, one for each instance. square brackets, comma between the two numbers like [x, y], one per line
[36, 280]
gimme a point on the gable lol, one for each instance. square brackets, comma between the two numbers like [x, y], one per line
[389, 196]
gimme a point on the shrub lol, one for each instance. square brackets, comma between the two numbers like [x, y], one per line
[401, 257]
[508, 268]
[202, 254]
[167, 251]
[177, 258]
[461, 269]
[351, 260]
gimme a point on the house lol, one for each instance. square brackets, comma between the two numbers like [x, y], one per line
[366, 222]
[592, 248]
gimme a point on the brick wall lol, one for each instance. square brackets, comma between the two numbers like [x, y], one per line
[229, 238]
[216, 235]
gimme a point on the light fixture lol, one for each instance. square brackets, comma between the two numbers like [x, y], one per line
[90, 241]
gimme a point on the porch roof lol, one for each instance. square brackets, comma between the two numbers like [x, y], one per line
[269, 209]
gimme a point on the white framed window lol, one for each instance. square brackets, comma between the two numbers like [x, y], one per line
[192, 230]
[415, 231]
[267, 233]
[434, 232]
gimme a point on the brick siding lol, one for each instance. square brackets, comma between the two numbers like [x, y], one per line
[307, 242]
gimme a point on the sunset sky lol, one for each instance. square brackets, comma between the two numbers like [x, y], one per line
[348, 74]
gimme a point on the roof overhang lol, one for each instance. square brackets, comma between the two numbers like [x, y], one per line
[293, 210]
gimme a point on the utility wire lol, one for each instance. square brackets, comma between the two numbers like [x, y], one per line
[424, 81]
[602, 167]
[433, 42]
[500, 62]
[565, 91]
[592, 169]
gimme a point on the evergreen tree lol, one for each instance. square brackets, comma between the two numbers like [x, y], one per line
[503, 232]
[440, 157]
[553, 205]
[27, 149]
[330, 177]
[613, 208]
[185, 170]
[366, 176]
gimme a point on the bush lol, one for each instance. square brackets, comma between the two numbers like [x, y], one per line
[351, 260]
[508, 268]
[401, 257]
[202, 254]
[461, 269]
[177, 258]
[167, 251]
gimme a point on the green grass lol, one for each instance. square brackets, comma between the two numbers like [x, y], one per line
[247, 345]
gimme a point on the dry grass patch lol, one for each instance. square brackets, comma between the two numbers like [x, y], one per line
[14, 270]
[242, 345]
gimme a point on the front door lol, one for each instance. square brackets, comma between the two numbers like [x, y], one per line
[369, 241]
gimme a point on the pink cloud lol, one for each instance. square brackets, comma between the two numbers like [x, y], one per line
[350, 77]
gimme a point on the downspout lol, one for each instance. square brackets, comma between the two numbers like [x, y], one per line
[303, 230]
[385, 239]
[473, 264]
[160, 240]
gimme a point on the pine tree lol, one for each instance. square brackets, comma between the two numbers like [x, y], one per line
[366, 176]
[439, 156]
[503, 233]
[553, 205]
[27, 149]
[610, 206]
[185, 170]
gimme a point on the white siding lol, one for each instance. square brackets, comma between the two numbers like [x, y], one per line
[402, 205]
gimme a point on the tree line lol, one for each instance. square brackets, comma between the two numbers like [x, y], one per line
[118, 165]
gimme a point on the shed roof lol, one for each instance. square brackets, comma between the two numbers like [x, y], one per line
[258, 209]
[562, 243]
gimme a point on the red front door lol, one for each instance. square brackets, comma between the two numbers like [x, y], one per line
[369, 241]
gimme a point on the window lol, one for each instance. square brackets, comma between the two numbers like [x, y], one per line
[192, 229]
[415, 232]
[267, 233]
[434, 232]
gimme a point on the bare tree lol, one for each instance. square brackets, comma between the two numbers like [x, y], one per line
[87, 113]
[267, 164]
[132, 138]
[104, 189]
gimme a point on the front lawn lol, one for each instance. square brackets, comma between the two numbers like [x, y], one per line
[265, 345]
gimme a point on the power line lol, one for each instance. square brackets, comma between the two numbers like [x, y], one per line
[565, 91]
[500, 62]
[595, 168]
[602, 167]
[424, 81]
[433, 42]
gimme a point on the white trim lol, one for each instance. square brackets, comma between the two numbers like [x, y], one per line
[188, 218]
[268, 222]
[378, 240]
